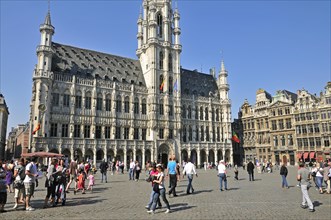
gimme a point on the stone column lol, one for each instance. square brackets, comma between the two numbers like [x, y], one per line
[216, 159]
[95, 157]
[124, 159]
[198, 157]
[143, 158]
[223, 154]
[105, 153]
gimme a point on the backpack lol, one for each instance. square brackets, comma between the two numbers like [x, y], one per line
[21, 172]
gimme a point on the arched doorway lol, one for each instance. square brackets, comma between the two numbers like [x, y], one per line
[67, 155]
[219, 155]
[88, 155]
[110, 155]
[148, 156]
[54, 150]
[211, 157]
[184, 155]
[203, 157]
[163, 154]
[227, 156]
[120, 155]
[78, 154]
[129, 156]
[194, 158]
[100, 155]
[139, 156]
[284, 159]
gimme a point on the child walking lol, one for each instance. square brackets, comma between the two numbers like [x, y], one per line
[81, 182]
[91, 182]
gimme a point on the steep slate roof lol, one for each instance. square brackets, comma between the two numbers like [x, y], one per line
[92, 64]
[196, 83]
[293, 96]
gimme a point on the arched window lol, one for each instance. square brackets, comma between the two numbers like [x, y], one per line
[201, 113]
[126, 104]
[184, 112]
[108, 103]
[197, 133]
[161, 57]
[189, 112]
[170, 85]
[184, 134]
[202, 134]
[217, 115]
[206, 114]
[196, 112]
[118, 104]
[136, 106]
[190, 133]
[170, 62]
[159, 25]
[143, 107]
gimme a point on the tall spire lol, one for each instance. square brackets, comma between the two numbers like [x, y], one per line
[48, 16]
[222, 66]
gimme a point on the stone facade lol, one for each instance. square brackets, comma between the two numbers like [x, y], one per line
[17, 141]
[287, 127]
[102, 106]
[4, 113]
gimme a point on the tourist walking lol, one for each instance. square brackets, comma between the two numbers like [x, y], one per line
[103, 170]
[19, 175]
[319, 179]
[137, 170]
[72, 173]
[327, 176]
[172, 172]
[29, 182]
[222, 175]
[236, 172]
[152, 176]
[50, 183]
[250, 170]
[189, 170]
[283, 172]
[159, 190]
[304, 177]
[3, 189]
[131, 170]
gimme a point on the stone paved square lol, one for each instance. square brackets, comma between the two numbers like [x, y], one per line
[121, 199]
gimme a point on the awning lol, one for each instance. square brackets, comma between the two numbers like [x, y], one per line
[305, 155]
[312, 155]
[299, 155]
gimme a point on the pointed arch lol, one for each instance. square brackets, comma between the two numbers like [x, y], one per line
[161, 58]
[159, 25]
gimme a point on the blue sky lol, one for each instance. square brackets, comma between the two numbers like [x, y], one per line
[266, 44]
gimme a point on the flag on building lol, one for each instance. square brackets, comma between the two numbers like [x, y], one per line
[235, 138]
[162, 84]
[36, 129]
[175, 87]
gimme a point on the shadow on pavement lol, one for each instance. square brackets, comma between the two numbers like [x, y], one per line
[180, 206]
[317, 203]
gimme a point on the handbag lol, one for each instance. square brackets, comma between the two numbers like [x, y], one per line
[18, 184]
[156, 188]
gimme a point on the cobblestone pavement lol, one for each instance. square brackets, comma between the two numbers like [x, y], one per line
[123, 199]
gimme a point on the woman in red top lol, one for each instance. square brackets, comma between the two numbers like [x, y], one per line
[80, 182]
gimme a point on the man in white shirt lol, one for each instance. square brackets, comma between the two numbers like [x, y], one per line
[222, 175]
[189, 169]
[29, 182]
[131, 170]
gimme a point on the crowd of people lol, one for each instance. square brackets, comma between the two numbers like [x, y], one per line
[21, 178]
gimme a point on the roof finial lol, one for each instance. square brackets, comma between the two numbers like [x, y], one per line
[49, 6]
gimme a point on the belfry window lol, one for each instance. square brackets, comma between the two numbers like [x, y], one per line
[170, 62]
[161, 57]
[159, 25]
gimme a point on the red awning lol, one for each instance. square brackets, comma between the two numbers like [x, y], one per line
[312, 155]
[299, 155]
[305, 155]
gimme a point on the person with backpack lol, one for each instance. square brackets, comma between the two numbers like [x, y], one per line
[19, 175]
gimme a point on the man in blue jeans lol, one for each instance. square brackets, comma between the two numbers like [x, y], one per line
[189, 169]
[222, 175]
[173, 175]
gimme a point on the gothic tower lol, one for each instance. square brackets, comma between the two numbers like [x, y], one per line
[42, 81]
[159, 54]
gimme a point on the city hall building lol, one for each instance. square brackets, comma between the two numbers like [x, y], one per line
[99, 106]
